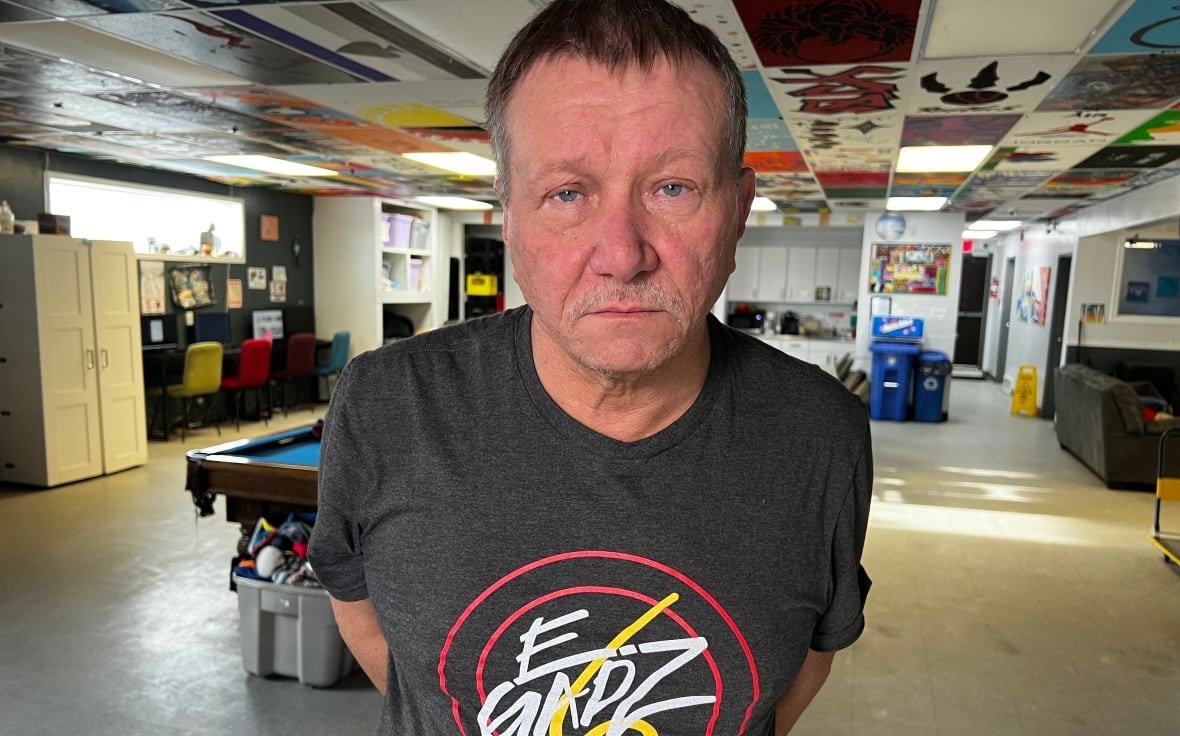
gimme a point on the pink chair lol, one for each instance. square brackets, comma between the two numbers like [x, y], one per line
[300, 366]
[253, 373]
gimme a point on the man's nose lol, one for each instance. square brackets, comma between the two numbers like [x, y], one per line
[622, 246]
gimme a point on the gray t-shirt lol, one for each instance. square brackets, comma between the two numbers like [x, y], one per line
[528, 571]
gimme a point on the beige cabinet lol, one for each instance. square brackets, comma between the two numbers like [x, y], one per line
[379, 258]
[71, 371]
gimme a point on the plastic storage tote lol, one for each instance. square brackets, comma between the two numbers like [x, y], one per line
[889, 390]
[290, 630]
[931, 386]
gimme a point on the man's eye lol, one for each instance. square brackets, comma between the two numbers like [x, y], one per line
[567, 195]
[673, 190]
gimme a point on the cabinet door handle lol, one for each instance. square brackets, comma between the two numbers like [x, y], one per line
[106, 361]
[89, 359]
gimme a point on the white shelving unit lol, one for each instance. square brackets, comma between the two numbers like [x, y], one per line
[376, 256]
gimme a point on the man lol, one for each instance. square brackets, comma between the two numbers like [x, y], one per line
[604, 513]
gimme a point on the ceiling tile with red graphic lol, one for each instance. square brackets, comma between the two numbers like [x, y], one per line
[807, 32]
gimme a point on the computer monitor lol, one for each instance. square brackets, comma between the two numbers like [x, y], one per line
[211, 327]
[268, 322]
[158, 331]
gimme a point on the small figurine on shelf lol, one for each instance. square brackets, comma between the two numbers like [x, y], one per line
[7, 218]
[209, 242]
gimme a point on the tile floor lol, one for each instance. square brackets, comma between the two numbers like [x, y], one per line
[1013, 595]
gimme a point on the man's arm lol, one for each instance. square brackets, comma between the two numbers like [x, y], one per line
[811, 677]
[357, 621]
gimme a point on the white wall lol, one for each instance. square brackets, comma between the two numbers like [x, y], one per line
[1028, 342]
[940, 312]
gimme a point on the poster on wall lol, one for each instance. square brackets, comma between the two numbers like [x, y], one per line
[233, 293]
[151, 287]
[278, 291]
[1150, 280]
[191, 286]
[1093, 314]
[256, 277]
[909, 268]
[1034, 295]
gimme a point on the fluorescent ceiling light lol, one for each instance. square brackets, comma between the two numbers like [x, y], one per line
[454, 203]
[460, 162]
[1140, 244]
[978, 234]
[941, 158]
[763, 204]
[272, 165]
[1000, 225]
[915, 204]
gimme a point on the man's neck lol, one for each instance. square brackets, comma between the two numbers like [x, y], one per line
[623, 407]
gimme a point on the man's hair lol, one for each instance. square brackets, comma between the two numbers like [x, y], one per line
[616, 34]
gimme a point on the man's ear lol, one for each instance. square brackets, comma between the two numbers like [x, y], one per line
[745, 197]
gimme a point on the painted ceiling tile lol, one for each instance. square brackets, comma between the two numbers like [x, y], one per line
[796, 206]
[1131, 157]
[265, 29]
[1163, 129]
[788, 186]
[1048, 159]
[865, 89]
[1147, 27]
[816, 135]
[850, 160]
[171, 147]
[856, 192]
[81, 8]
[471, 140]
[272, 105]
[1035, 204]
[972, 29]
[1090, 178]
[188, 113]
[10, 128]
[1117, 83]
[410, 114]
[930, 179]
[856, 179]
[759, 102]
[720, 17]
[94, 145]
[921, 190]
[996, 86]
[1154, 175]
[238, 144]
[768, 135]
[207, 40]
[955, 130]
[11, 111]
[1083, 127]
[806, 32]
[105, 112]
[460, 97]
[35, 73]
[1013, 179]
[776, 161]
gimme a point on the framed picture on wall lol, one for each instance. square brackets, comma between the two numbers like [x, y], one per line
[909, 268]
[268, 227]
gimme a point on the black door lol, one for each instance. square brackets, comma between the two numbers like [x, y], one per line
[972, 300]
[1056, 333]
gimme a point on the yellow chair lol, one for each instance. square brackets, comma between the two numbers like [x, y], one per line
[202, 378]
[1167, 488]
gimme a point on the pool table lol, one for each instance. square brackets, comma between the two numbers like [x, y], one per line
[266, 476]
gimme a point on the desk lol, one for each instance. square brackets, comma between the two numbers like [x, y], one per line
[270, 476]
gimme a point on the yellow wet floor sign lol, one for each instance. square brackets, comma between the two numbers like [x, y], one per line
[1024, 395]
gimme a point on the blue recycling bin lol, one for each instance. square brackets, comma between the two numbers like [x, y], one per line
[889, 390]
[930, 386]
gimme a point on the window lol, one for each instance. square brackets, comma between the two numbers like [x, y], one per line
[160, 223]
[1149, 284]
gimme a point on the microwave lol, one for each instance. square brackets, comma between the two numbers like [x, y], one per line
[752, 320]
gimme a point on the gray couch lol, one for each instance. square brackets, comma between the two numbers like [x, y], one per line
[1100, 421]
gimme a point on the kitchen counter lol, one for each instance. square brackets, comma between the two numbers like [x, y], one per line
[823, 351]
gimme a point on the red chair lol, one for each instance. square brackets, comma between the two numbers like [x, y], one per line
[300, 366]
[253, 373]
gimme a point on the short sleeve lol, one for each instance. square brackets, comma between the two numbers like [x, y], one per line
[842, 623]
[335, 551]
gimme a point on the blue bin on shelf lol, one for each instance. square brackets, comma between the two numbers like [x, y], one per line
[930, 386]
[889, 390]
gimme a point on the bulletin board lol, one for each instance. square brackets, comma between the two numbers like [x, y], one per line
[910, 268]
[191, 286]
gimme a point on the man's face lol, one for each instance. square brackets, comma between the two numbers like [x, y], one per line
[621, 221]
